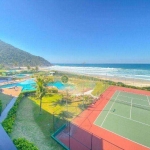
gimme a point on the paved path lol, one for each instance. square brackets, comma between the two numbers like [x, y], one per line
[5, 141]
[87, 93]
[6, 110]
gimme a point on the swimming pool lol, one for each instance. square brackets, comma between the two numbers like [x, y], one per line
[26, 85]
[59, 85]
[30, 84]
[22, 75]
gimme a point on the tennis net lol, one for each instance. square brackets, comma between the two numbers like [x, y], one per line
[133, 104]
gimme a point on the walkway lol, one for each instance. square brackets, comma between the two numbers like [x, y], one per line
[5, 141]
[87, 93]
[6, 110]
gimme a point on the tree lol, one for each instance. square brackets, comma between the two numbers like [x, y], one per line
[1, 66]
[41, 83]
[32, 69]
[16, 64]
[64, 79]
[28, 67]
[36, 68]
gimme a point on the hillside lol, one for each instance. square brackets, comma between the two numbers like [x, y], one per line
[10, 55]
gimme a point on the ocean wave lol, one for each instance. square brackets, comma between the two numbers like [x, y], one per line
[143, 76]
[99, 71]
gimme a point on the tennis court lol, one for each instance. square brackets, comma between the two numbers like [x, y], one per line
[127, 115]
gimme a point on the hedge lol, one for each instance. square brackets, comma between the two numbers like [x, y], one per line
[10, 119]
[28, 93]
[23, 144]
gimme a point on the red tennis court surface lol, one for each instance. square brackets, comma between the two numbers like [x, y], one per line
[82, 134]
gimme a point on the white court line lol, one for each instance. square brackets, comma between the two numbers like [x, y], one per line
[109, 110]
[114, 132]
[133, 98]
[105, 106]
[148, 100]
[130, 119]
[133, 103]
[133, 93]
[131, 109]
[123, 137]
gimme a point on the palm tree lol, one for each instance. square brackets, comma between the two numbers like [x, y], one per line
[41, 82]
[64, 79]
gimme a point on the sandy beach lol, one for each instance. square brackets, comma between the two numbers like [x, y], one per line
[127, 81]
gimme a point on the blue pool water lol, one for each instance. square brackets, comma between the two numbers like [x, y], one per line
[26, 85]
[31, 85]
[59, 85]
[22, 75]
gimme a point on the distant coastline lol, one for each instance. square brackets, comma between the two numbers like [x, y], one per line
[144, 66]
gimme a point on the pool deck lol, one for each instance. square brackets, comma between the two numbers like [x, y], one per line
[14, 92]
[11, 82]
[5, 141]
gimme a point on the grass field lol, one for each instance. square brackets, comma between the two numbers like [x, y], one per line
[34, 127]
[5, 100]
[127, 114]
[100, 87]
[38, 128]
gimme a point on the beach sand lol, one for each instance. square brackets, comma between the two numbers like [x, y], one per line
[127, 81]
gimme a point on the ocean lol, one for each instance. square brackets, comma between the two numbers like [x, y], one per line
[133, 71]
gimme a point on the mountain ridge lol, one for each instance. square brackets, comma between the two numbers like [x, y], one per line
[10, 55]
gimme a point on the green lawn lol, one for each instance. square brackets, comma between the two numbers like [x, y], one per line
[38, 128]
[34, 127]
[5, 100]
[99, 88]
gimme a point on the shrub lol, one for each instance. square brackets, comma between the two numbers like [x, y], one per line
[29, 93]
[10, 119]
[52, 90]
[0, 107]
[23, 144]
[120, 84]
[99, 88]
[64, 79]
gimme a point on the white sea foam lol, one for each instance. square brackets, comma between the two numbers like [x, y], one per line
[111, 72]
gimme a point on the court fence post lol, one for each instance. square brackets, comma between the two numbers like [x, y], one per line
[69, 134]
[53, 123]
[91, 141]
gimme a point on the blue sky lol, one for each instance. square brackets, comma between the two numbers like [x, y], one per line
[77, 31]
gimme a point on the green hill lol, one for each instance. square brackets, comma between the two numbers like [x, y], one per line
[10, 55]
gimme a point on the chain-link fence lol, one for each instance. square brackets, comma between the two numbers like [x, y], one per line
[73, 137]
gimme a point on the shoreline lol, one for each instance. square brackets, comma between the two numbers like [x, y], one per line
[128, 81]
